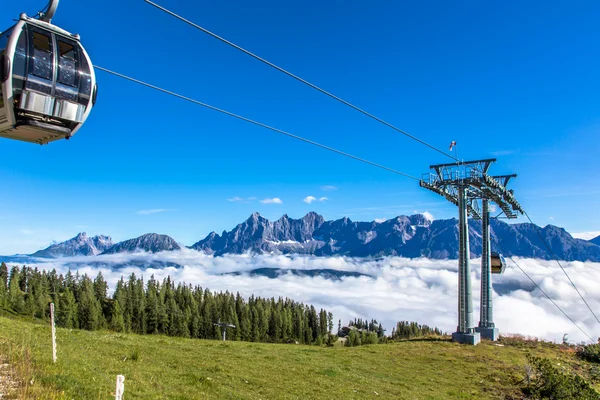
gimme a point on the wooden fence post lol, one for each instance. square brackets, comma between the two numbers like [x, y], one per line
[53, 332]
[120, 387]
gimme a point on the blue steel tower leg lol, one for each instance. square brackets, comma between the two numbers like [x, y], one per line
[486, 327]
[465, 331]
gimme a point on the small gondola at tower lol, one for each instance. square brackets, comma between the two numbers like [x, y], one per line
[47, 80]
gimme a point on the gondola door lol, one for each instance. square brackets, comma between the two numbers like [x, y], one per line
[5, 74]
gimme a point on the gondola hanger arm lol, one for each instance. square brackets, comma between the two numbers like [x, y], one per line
[47, 14]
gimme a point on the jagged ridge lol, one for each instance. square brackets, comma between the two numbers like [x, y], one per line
[408, 236]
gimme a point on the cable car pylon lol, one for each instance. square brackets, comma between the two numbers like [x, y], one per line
[465, 184]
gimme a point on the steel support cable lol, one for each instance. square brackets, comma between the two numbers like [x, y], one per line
[549, 298]
[254, 122]
[304, 81]
[561, 267]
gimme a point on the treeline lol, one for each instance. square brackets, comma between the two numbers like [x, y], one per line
[371, 326]
[360, 332]
[155, 307]
[409, 330]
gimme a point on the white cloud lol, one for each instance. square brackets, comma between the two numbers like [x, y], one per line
[501, 153]
[237, 199]
[551, 218]
[380, 220]
[310, 199]
[153, 211]
[328, 188]
[395, 289]
[274, 200]
[586, 235]
[27, 231]
[426, 214]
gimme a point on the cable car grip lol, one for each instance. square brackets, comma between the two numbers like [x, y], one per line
[49, 12]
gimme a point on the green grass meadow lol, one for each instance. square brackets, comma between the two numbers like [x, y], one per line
[161, 367]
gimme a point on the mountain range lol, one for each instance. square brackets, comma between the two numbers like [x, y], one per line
[407, 236]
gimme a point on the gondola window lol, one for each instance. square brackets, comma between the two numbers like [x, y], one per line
[42, 54]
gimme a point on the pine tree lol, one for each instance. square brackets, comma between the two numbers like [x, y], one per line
[164, 292]
[16, 297]
[29, 309]
[322, 323]
[313, 322]
[308, 332]
[255, 325]
[207, 327]
[67, 310]
[101, 291]
[195, 325]
[122, 296]
[137, 304]
[23, 277]
[117, 322]
[273, 331]
[245, 323]
[152, 320]
[89, 306]
[3, 292]
[380, 331]
[4, 275]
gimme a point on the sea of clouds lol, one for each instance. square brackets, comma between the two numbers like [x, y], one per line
[395, 289]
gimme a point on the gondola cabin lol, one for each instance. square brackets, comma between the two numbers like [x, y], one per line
[498, 263]
[48, 82]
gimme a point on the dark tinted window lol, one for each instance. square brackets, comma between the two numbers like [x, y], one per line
[67, 64]
[4, 39]
[42, 55]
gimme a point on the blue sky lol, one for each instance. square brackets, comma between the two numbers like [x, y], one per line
[512, 80]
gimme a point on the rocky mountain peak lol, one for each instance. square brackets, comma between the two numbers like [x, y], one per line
[80, 245]
[149, 242]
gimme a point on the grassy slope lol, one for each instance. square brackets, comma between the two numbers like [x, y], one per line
[175, 368]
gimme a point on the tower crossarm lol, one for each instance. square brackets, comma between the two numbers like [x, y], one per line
[449, 193]
[503, 179]
[497, 192]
